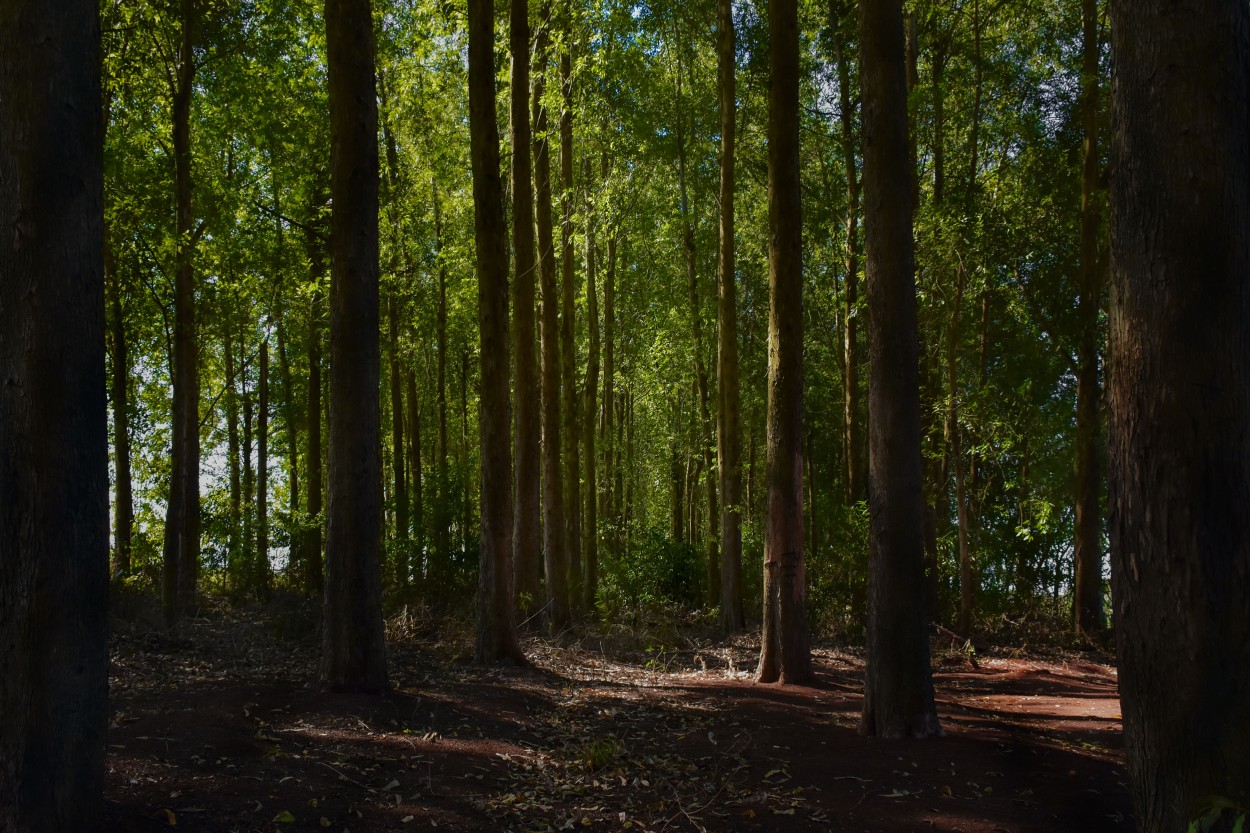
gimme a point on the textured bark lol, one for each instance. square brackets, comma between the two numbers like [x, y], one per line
[568, 312]
[785, 655]
[231, 401]
[441, 563]
[1087, 537]
[1179, 403]
[611, 445]
[496, 619]
[729, 422]
[314, 561]
[526, 546]
[54, 512]
[262, 472]
[353, 656]
[898, 686]
[290, 419]
[414, 472]
[182, 516]
[852, 439]
[124, 510]
[398, 460]
[590, 576]
[555, 555]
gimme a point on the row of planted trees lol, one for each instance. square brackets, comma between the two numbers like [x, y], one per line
[639, 304]
[1179, 386]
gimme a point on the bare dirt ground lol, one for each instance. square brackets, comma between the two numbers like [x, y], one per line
[222, 728]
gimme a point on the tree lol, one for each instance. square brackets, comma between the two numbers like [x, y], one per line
[525, 535]
[785, 655]
[728, 422]
[1179, 409]
[1087, 538]
[496, 617]
[53, 429]
[898, 685]
[353, 654]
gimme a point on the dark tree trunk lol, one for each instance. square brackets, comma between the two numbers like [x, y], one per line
[729, 422]
[568, 354]
[1087, 540]
[232, 444]
[555, 556]
[526, 544]
[54, 512]
[288, 417]
[852, 442]
[314, 574]
[1180, 401]
[785, 655]
[262, 472]
[248, 520]
[353, 654]
[414, 471]
[898, 686]
[611, 447]
[124, 510]
[441, 565]
[182, 517]
[590, 578]
[496, 617]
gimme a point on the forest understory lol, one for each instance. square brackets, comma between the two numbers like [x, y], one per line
[654, 726]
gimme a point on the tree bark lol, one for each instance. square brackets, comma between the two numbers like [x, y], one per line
[54, 512]
[1087, 537]
[568, 311]
[525, 534]
[441, 563]
[1180, 401]
[353, 654]
[898, 685]
[555, 556]
[785, 655]
[402, 566]
[231, 400]
[414, 470]
[182, 516]
[590, 577]
[611, 446]
[729, 422]
[314, 573]
[262, 473]
[124, 510]
[496, 618]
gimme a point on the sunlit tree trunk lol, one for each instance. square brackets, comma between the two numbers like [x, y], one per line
[785, 654]
[898, 685]
[1179, 403]
[353, 652]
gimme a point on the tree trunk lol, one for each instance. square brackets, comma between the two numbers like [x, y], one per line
[852, 442]
[314, 574]
[898, 685]
[590, 578]
[262, 473]
[441, 563]
[124, 510]
[54, 512]
[1087, 537]
[555, 556]
[245, 574]
[288, 416]
[525, 535]
[353, 652]
[496, 618]
[705, 440]
[568, 353]
[729, 423]
[414, 471]
[402, 566]
[785, 655]
[232, 445]
[611, 446]
[182, 517]
[1180, 401]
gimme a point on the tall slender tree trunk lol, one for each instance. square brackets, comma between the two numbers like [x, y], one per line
[1087, 538]
[611, 464]
[555, 554]
[124, 510]
[262, 473]
[414, 471]
[590, 579]
[526, 544]
[54, 513]
[353, 654]
[289, 417]
[402, 531]
[441, 566]
[182, 516]
[852, 439]
[232, 446]
[496, 617]
[1179, 402]
[785, 655]
[568, 312]
[706, 441]
[314, 574]
[898, 685]
[729, 421]
[248, 520]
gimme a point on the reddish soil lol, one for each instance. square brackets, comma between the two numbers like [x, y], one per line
[223, 729]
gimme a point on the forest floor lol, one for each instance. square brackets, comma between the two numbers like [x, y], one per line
[221, 727]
